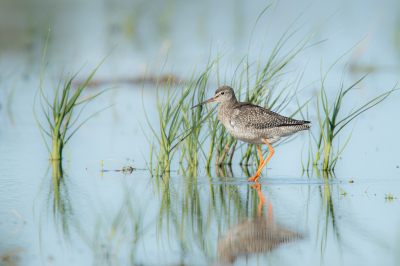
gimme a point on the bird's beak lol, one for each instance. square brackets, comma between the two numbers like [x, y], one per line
[208, 101]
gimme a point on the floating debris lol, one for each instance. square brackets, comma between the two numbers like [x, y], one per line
[389, 197]
[128, 169]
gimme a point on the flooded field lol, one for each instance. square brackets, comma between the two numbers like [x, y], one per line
[85, 210]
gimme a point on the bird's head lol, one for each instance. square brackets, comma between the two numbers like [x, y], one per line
[222, 94]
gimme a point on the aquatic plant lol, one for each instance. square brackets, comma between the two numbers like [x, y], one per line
[193, 119]
[258, 82]
[178, 125]
[330, 124]
[170, 118]
[59, 110]
[264, 88]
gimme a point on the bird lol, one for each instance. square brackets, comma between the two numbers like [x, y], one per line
[253, 124]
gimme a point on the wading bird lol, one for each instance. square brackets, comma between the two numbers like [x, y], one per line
[253, 124]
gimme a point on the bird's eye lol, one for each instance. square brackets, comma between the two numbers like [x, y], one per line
[222, 93]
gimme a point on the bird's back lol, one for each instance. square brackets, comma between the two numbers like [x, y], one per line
[251, 123]
[258, 117]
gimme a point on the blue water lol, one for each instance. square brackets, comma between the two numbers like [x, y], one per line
[119, 219]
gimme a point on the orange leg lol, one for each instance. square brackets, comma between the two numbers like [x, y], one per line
[260, 154]
[261, 158]
[257, 175]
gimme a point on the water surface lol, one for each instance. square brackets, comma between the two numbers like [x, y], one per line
[66, 214]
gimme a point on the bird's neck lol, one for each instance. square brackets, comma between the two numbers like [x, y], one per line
[229, 103]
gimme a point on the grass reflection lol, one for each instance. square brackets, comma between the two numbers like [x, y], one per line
[185, 215]
[11, 257]
[195, 215]
[327, 218]
[55, 192]
[206, 219]
[108, 234]
[217, 215]
[116, 234]
[58, 198]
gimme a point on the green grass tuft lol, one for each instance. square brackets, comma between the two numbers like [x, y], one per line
[59, 110]
[259, 82]
[331, 124]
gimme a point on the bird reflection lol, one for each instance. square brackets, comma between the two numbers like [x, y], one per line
[260, 234]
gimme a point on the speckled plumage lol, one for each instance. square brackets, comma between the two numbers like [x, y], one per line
[253, 124]
[250, 123]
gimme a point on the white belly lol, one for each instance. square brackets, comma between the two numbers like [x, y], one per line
[246, 135]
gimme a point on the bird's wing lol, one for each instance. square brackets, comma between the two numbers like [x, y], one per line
[250, 115]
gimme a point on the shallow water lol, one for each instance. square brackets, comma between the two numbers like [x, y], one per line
[194, 216]
[185, 218]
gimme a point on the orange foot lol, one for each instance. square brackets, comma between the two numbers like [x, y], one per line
[254, 178]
